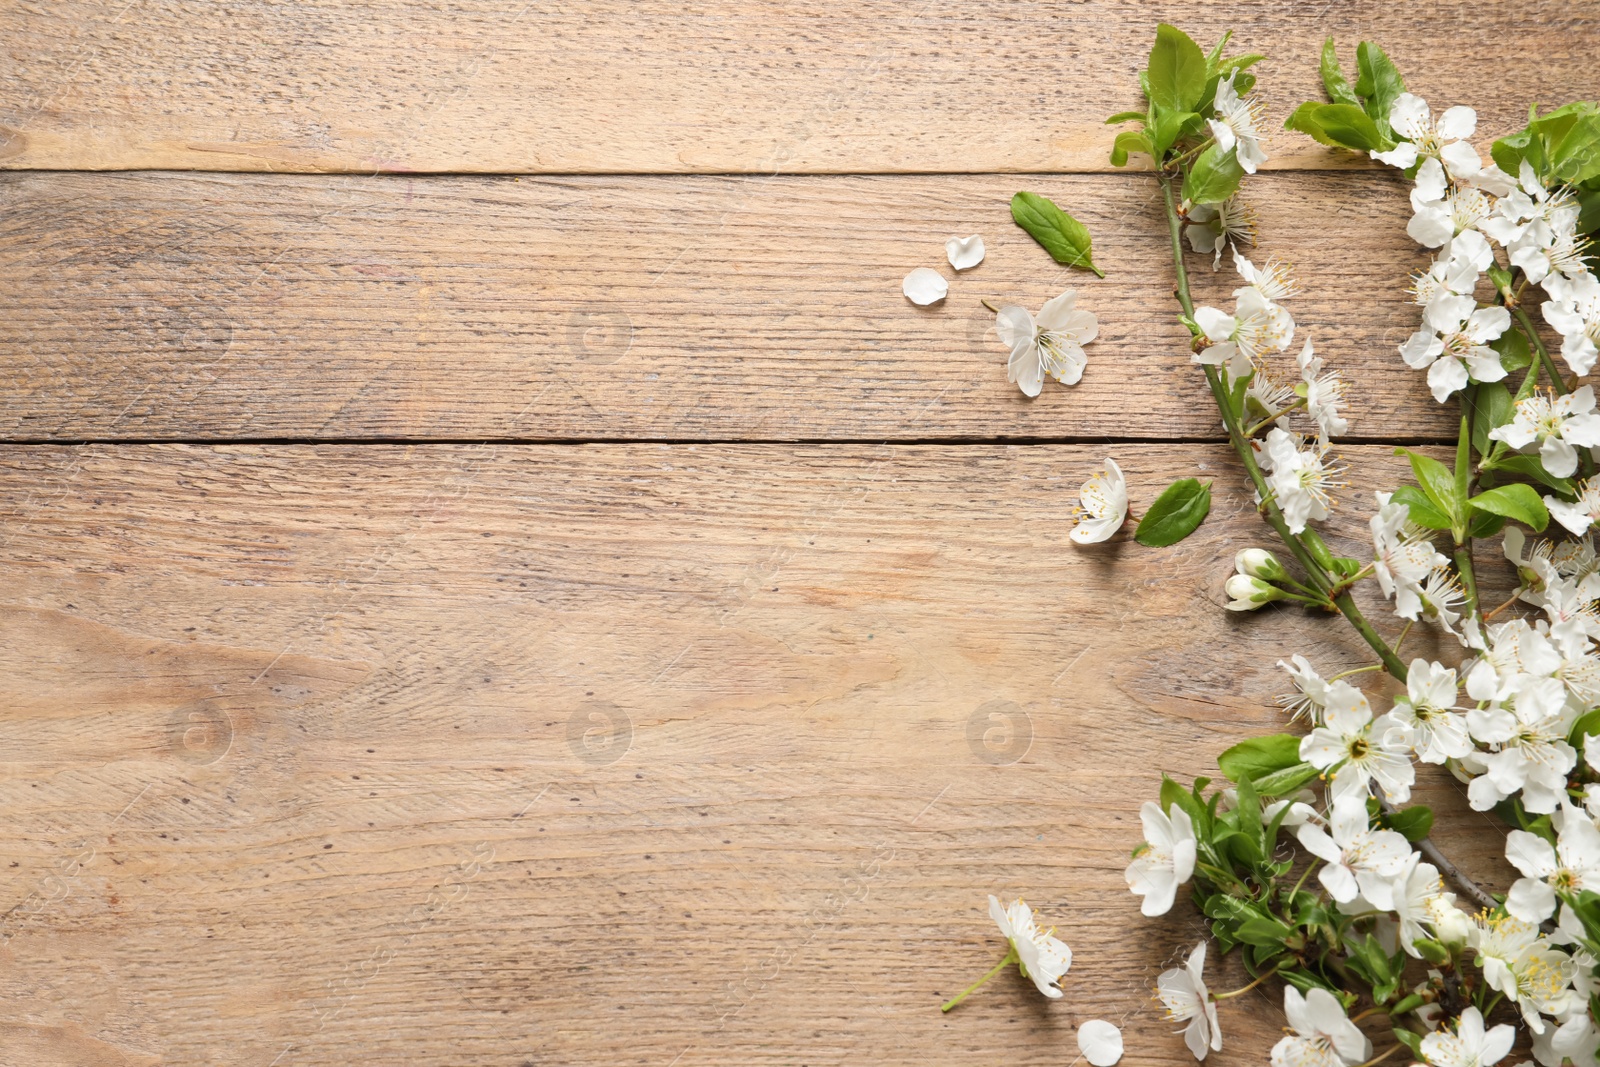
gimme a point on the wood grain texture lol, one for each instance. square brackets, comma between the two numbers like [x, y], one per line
[217, 306]
[610, 754]
[649, 87]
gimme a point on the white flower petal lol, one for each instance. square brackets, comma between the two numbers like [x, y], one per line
[925, 286]
[964, 253]
[1100, 1042]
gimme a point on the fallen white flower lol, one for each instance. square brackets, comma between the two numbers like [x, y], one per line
[925, 286]
[1182, 991]
[1051, 344]
[1104, 498]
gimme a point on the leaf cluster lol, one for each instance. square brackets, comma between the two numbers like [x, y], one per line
[1356, 116]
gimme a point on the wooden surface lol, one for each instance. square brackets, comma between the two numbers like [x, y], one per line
[657, 86]
[580, 613]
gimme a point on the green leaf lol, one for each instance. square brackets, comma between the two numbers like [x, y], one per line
[1258, 757]
[1213, 177]
[1064, 237]
[1415, 822]
[1518, 502]
[1304, 120]
[1378, 83]
[1491, 408]
[1349, 126]
[1180, 508]
[1338, 89]
[1129, 141]
[1438, 481]
[1512, 347]
[1588, 725]
[1266, 932]
[1169, 127]
[1282, 783]
[1411, 1041]
[1173, 793]
[1125, 116]
[1423, 512]
[1529, 467]
[1485, 524]
[1177, 70]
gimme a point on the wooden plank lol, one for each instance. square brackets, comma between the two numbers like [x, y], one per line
[647, 86]
[606, 754]
[211, 306]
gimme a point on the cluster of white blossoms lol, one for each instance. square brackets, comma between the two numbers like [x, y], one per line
[1464, 208]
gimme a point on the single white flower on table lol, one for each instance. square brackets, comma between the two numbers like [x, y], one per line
[1103, 499]
[1462, 346]
[964, 253]
[1425, 716]
[1324, 394]
[1573, 311]
[1312, 695]
[1466, 1044]
[1235, 125]
[1404, 555]
[1357, 747]
[1577, 516]
[1100, 1042]
[1561, 425]
[1213, 227]
[1442, 213]
[1415, 888]
[1183, 993]
[1050, 344]
[1039, 955]
[1165, 861]
[1423, 137]
[1300, 480]
[1357, 860]
[1323, 1034]
[1533, 756]
[1571, 865]
[925, 286]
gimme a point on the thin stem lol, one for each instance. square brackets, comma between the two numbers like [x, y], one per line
[1402, 638]
[1381, 1056]
[990, 306]
[1469, 581]
[1363, 670]
[1245, 989]
[1374, 1010]
[1275, 416]
[1489, 615]
[1010, 958]
[1557, 383]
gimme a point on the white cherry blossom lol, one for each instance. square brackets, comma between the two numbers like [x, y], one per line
[1166, 861]
[1300, 478]
[1442, 212]
[1357, 860]
[1183, 993]
[1415, 889]
[1104, 503]
[1051, 344]
[1404, 556]
[1466, 1044]
[1573, 311]
[1532, 756]
[1357, 747]
[1235, 125]
[1324, 394]
[1312, 691]
[1213, 227]
[1323, 1034]
[1571, 865]
[1042, 958]
[1425, 717]
[1450, 353]
[1577, 516]
[1560, 424]
[1423, 137]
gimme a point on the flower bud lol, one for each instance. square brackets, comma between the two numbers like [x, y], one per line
[1247, 594]
[1451, 925]
[1259, 563]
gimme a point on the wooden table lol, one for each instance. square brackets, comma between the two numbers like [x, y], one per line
[495, 572]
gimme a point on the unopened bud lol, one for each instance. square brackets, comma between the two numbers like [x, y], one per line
[1247, 594]
[1259, 563]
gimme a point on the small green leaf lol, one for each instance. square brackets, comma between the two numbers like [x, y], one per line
[1485, 524]
[1423, 512]
[1213, 177]
[1588, 725]
[1125, 116]
[1378, 83]
[1349, 126]
[1531, 468]
[1415, 822]
[1064, 237]
[1262, 931]
[1411, 1041]
[1180, 508]
[1491, 408]
[1169, 127]
[1127, 142]
[1513, 349]
[1333, 81]
[1282, 783]
[1257, 757]
[1438, 481]
[1517, 502]
[1303, 119]
[1177, 71]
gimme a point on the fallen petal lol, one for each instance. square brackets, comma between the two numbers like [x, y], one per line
[925, 286]
[964, 252]
[1100, 1042]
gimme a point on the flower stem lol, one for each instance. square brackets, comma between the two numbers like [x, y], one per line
[1010, 958]
[1557, 382]
[1245, 989]
[1275, 416]
[1381, 1056]
[1402, 638]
